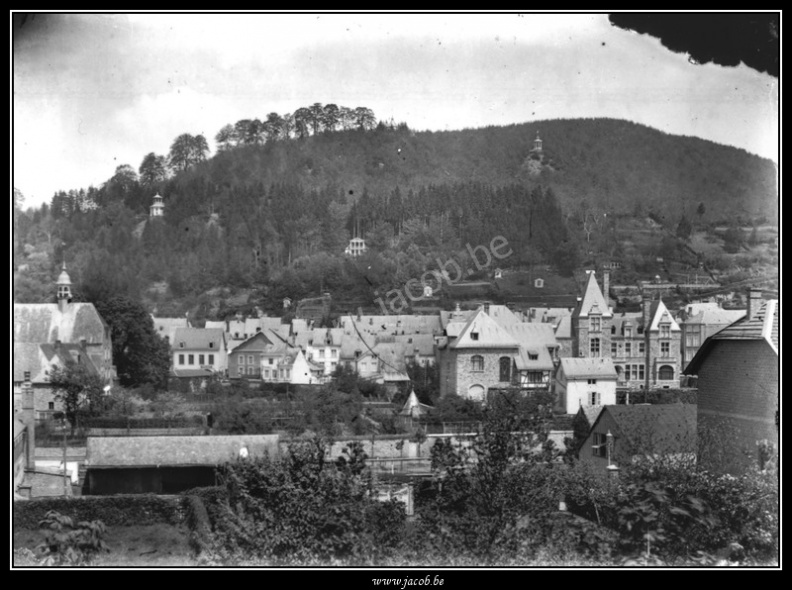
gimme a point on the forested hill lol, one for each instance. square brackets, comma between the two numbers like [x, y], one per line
[617, 165]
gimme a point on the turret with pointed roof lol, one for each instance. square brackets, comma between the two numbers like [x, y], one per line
[591, 322]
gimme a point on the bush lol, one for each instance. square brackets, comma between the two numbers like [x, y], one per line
[121, 510]
[70, 544]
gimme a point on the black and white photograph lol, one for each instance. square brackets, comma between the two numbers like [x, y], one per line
[402, 295]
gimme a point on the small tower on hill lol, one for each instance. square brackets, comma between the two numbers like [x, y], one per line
[537, 145]
[157, 208]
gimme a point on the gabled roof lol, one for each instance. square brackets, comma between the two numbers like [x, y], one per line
[660, 314]
[533, 335]
[657, 428]
[44, 322]
[503, 316]
[164, 451]
[593, 302]
[564, 327]
[588, 368]
[490, 334]
[257, 342]
[590, 413]
[763, 326]
[353, 342]
[221, 325]
[542, 362]
[198, 339]
[39, 358]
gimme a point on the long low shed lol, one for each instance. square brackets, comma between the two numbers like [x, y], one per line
[165, 464]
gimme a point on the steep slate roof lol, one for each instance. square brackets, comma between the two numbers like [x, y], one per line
[591, 413]
[503, 316]
[659, 313]
[533, 335]
[542, 362]
[763, 326]
[588, 368]
[659, 428]
[564, 327]
[635, 319]
[490, 334]
[593, 300]
[424, 343]
[198, 339]
[548, 314]
[412, 407]
[220, 325]
[165, 451]
[44, 322]
[454, 316]
[38, 358]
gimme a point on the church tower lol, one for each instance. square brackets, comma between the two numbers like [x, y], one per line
[64, 289]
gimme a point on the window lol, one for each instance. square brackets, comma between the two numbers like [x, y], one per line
[477, 362]
[181, 359]
[640, 371]
[333, 365]
[250, 359]
[595, 323]
[321, 353]
[595, 347]
[600, 446]
[251, 370]
[532, 377]
[592, 381]
[614, 349]
[594, 398]
[666, 373]
[692, 339]
[333, 353]
[201, 359]
[613, 329]
[665, 349]
[241, 371]
[190, 359]
[181, 344]
[474, 335]
[211, 359]
[642, 348]
[50, 405]
[266, 373]
[665, 330]
[505, 369]
[533, 357]
[241, 359]
[628, 332]
[628, 349]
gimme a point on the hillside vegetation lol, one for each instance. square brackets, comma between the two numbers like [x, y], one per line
[275, 215]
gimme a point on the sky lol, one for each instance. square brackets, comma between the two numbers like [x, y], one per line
[92, 92]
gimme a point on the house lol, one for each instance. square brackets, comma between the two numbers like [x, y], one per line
[297, 369]
[644, 346]
[55, 334]
[700, 322]
[199, 352]
[324, 348]
[356, 247]
[583, 382]
[738, 386]
[165, 464]
[246, 359]
[641, 432]
[417, 348]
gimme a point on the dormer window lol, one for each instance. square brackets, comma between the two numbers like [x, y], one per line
[474, 336]
[181, 344]
[211, 345]
[533, 356]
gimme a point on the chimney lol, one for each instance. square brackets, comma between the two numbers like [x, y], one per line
[83, 344]
[754, 302]
[646, 304]
[359, 313]
[486, 307]
[606, 286]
